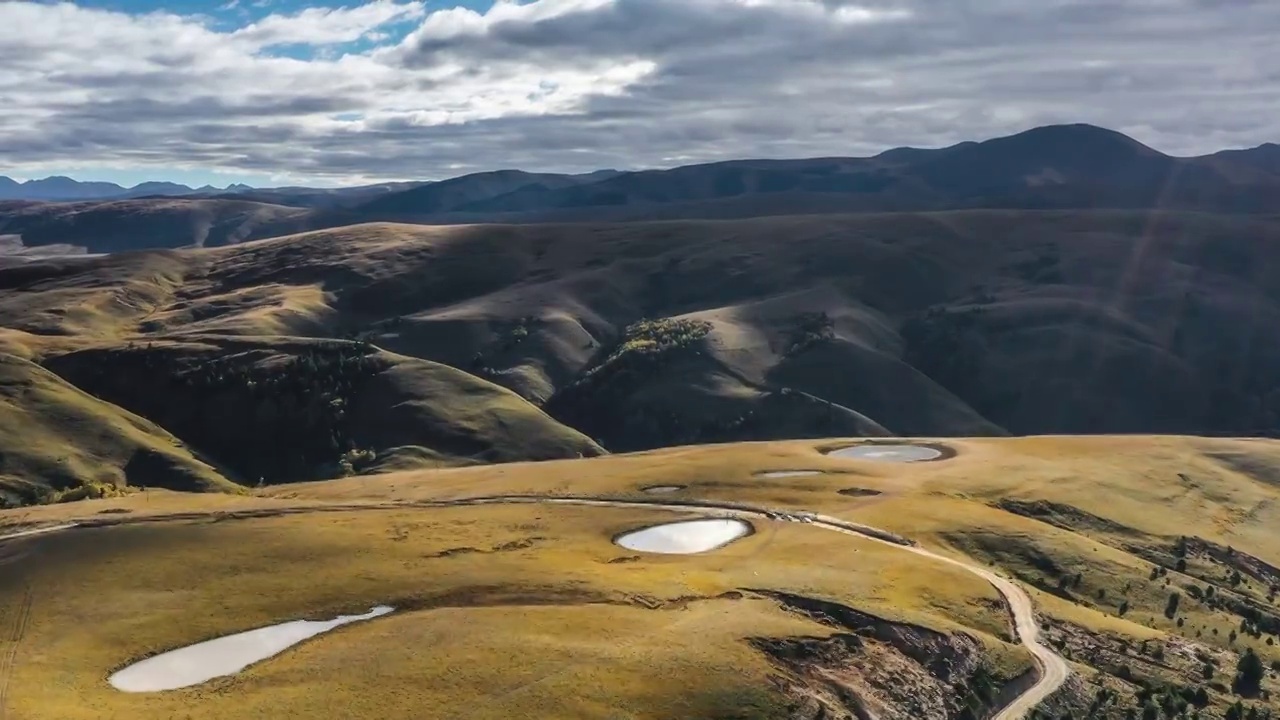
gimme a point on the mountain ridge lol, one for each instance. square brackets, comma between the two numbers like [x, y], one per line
[1062, 167]
[60, 188]
[1067, 138]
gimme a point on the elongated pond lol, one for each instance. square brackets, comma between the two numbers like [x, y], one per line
[888, 453]
[686, 537]
[780, 474]
[225, 656]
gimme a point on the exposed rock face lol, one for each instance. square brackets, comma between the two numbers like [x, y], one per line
[878, 669]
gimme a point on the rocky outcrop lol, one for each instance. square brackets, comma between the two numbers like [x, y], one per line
[877, 669]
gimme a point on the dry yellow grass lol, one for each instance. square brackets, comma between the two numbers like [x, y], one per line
[103, 299]
[261, 310]
[1159, 487]
[555, 628]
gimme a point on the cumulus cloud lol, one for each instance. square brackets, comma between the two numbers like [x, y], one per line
[402, 90]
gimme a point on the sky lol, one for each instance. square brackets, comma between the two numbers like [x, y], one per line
[282, 92]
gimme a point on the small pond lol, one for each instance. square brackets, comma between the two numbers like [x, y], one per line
[686, 537]
[888, 453]
[779, 474]
[228, 655]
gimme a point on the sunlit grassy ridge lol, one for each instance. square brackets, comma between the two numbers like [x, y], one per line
[531, 608]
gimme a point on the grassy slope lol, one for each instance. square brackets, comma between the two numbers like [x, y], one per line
[1115, 483]
[1104, 487]
[57, 441]
[676, 391]
[83, 318]
[1068, 321]
[288, 409]
[90, 298]
[1041, 322]
[118, 225]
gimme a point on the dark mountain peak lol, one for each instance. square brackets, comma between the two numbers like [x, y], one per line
[464, 192]
[1075, 138]
[8, 182]
[1048, 143]
[1270, 151]
[158, 184]
[53, 180]
[908, 155]
[903, 154]
[1265, 158]
[1054, 165]
[59, 187]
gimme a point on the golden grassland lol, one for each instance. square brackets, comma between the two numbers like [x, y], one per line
[510, 608]
[490, 596]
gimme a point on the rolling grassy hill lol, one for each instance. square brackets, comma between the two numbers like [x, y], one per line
[289, 409]
[643, 335]
[530, 609]
[116, 225]
[503, 342]
[988, 321]
[58, 443]
[242, 386]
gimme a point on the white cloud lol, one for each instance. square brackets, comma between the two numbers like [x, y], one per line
[326, 26]
[580, 84]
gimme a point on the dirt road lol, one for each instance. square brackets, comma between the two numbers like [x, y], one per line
[1053, 668]
[37, 531]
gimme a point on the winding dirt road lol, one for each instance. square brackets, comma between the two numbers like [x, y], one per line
[1052, 669]
[37, 531]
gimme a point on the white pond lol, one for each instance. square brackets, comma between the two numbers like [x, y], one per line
[663, 489]
[888, 453]
[778, 474]
[686, 537]
[225, 656]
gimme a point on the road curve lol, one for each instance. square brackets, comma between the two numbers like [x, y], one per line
[37, 531]
[1051, 667]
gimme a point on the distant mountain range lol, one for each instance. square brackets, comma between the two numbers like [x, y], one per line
[64, 188]
[1060, 167]
[1055, 167]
